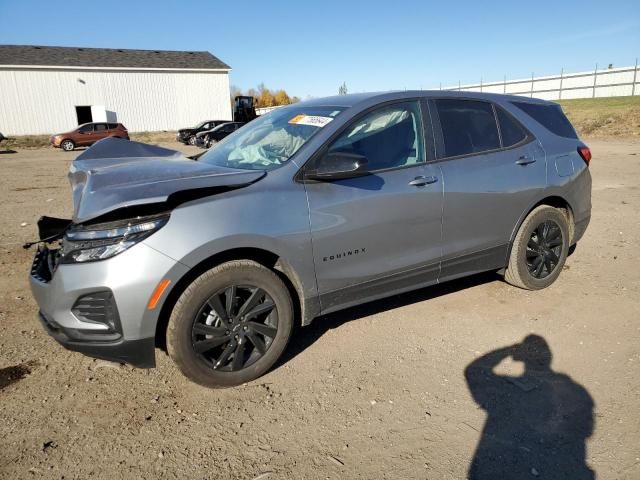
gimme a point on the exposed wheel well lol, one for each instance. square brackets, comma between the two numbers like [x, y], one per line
[553, 201]
[263, 257]
[562, 205]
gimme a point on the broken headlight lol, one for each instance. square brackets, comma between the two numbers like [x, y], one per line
[105, 240]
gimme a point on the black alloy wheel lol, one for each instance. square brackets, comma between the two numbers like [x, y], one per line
[231, 324]
[234, 328]
[544, 249]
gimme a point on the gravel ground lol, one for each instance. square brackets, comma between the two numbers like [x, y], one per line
[377, 391]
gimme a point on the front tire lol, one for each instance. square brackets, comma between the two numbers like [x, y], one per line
[230, 325]
[192, 140]
[539, 250]
[67, 145]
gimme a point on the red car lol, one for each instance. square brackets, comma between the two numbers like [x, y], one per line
[88, 134]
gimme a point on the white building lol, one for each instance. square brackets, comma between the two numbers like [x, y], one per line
[45, 90]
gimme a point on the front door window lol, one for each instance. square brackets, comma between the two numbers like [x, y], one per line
[389, 137]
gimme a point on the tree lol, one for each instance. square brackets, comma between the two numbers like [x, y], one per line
[342, 89]
[265, 97]
[281, 98]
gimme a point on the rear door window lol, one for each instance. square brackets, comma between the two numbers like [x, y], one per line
[550, 116]
[468, 126]
[510, 130]
[101, 127]
[113, 126]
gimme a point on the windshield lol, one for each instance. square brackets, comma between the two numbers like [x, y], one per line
[198, 125]
[269, 141]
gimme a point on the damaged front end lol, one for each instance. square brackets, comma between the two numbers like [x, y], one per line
[84, 278]
[124, 191]
[50, 231]
[65, 242]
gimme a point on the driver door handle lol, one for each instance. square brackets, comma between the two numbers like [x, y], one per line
[421, 181]
[525, 160]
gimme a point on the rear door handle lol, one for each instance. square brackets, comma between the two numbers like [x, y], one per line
[421, 181]
[525, 160]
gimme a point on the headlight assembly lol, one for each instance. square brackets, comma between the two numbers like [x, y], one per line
[101, 241]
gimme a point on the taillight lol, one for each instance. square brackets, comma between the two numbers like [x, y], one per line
[585, 153]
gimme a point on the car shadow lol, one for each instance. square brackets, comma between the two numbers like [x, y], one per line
[537, 423]
[8, 150]
[304, 337]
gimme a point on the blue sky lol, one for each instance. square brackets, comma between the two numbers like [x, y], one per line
[311, 47]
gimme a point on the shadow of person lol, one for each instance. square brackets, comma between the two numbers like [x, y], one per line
[537, 423]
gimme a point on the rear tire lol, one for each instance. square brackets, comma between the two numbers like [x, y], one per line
[215, 336]
[539, 250]
[67, 145]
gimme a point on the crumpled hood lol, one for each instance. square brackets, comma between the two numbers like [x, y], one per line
[116, 173]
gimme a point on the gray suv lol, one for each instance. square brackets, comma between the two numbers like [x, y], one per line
[310, 209]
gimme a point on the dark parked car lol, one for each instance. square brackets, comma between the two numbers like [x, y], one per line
[209, 137]
[188, 135]
[88, 134]
[309, 209]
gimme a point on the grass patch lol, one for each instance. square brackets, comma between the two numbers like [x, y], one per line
[610, 116]
[154, 137]
[25, 142]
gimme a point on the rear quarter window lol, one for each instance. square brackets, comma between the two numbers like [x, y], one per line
[511, 131]
[550, 117]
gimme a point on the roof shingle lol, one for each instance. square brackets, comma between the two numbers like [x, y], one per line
[107, 57]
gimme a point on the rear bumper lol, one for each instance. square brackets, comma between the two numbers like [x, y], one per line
[579, 229]
[139, 353]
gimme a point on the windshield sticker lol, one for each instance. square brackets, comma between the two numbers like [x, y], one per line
[313, 120]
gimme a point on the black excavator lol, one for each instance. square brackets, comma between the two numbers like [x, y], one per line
[244, 109]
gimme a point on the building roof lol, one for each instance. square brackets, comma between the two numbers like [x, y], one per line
[32, 55]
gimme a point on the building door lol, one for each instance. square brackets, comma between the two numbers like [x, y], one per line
[83, 113]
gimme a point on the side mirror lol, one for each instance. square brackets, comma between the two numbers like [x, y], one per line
[338, 166]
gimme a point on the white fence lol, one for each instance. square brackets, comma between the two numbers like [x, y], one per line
[612, 82]
[263, 110]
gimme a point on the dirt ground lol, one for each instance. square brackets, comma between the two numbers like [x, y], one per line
[377, 391]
